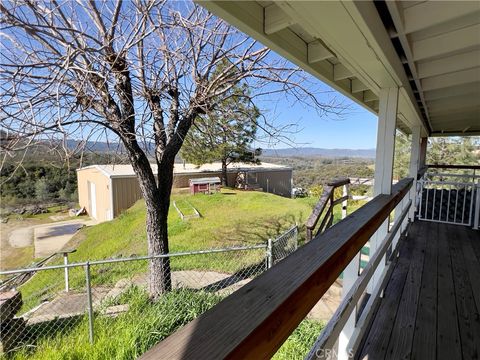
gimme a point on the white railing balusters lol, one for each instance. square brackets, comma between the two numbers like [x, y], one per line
[345, 318]
[462, 205]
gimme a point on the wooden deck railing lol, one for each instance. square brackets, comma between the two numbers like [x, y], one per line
[254, 321]
[325, 207]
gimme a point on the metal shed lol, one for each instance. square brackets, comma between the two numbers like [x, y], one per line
[107, 190]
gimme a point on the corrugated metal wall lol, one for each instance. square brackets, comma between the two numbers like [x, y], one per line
[274, 182]
[182, 180]
[126, 191]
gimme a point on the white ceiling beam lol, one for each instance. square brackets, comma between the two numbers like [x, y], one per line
[444, 44]
[369, 96]
[340, 72]
[275, 19]
[453, 79]
[431, 13]
[462, 124]
[471, 114]
[358, 86]
[318, 52]
[453, 100]
[398, 19]
[375, 105]
[472, 89]
[449, 64]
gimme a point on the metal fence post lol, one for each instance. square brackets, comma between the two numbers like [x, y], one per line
[89, 302]
[65, 262]
[269, 253]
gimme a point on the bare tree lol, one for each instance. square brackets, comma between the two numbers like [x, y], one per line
[140, 70]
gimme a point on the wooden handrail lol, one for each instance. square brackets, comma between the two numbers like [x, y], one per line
[332, 330]
[339, 182]
[421, 172]
[319, 207]
[444, 166]
[326, 198]
[254, 321]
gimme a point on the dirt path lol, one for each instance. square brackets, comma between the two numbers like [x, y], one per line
[24, 240]
[21, 252]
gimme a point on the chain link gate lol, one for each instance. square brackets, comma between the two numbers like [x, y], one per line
[282, 246]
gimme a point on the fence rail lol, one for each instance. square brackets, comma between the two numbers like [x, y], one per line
[70, 299]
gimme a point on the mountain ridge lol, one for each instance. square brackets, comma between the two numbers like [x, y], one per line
[314, 151]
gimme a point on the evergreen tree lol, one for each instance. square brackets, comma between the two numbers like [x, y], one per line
[225, 134]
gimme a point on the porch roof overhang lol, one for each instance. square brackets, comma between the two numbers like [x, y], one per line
[429, 49]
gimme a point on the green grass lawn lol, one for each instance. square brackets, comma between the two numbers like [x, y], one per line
[227, 219]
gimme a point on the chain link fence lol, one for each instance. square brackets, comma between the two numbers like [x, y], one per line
[65, 307]
[282, 246]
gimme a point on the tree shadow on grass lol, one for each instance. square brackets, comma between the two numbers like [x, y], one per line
[247, 272]
[260, 230]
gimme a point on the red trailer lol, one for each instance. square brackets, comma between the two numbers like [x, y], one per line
[205, 185]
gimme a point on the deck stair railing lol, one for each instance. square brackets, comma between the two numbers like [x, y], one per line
[323, 210]
[450, 194]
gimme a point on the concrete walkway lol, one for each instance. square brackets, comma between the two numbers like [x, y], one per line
[22, 237]
[51, 238]
[46, 238]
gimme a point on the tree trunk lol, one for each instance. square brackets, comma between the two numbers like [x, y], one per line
[157, 201]
[224, 173]
[160, 280]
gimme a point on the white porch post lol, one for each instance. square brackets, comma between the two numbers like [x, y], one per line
[387, 117]
[423, 152]
[414, 167]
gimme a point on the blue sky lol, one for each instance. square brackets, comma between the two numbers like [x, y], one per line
[356, 129]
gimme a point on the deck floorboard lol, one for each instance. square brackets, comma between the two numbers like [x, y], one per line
[431, 305]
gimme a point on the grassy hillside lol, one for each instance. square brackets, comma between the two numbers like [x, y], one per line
[230, 218]
[227, 219]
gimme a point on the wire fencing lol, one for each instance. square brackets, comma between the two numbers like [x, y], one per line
[64, 304]
[282, 246]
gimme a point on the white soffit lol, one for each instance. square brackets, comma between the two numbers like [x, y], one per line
[332, 40]
[441, 43]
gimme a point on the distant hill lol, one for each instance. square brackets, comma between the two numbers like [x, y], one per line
[303, 151]
[311, 151]
[115, 147]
